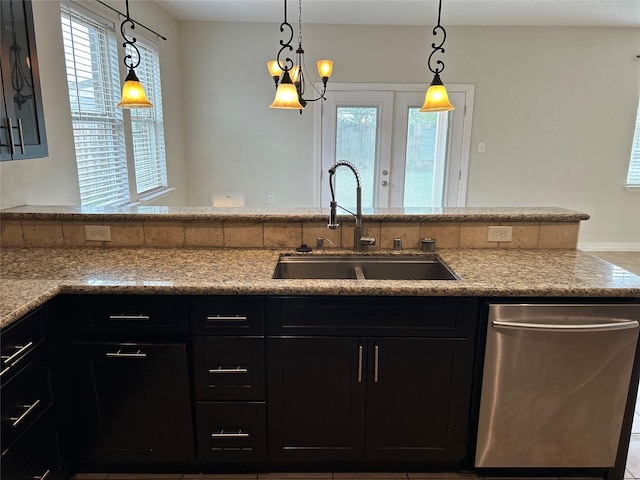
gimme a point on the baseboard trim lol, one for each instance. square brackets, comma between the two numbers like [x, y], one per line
[609, 246]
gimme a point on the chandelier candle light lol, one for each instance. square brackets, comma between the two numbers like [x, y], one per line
[288, 77]
[437, 99]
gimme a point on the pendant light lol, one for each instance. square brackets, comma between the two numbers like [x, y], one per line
[437, 99]
[133, 95]
[289, 76]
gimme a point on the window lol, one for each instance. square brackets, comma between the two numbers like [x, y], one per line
[633, 177]
[405, 158]
[106, 174]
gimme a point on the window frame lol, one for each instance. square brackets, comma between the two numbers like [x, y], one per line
[109, 21]
[634, 157]
[452, 199]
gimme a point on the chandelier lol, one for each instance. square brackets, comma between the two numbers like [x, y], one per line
[289, 77]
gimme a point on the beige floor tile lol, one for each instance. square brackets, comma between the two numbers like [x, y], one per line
[220, 476]
[294, 476]
[441, 475]
[369, 476]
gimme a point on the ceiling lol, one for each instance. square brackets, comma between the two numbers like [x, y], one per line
[606, 13]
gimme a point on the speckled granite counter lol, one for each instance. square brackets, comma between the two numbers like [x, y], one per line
[199, 214]
[31, 276]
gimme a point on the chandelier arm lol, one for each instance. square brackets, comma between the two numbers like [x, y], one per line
[288, 63]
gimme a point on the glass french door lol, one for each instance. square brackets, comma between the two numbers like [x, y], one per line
[405, 158]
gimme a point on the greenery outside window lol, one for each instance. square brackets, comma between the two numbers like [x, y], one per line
[109, 173]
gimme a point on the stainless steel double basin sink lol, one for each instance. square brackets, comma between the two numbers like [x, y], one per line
[364, 267]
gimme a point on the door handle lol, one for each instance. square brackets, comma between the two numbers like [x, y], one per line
[376, 359]
[359, 363]
[585, 327]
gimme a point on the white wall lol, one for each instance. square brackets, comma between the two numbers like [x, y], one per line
[555, 107]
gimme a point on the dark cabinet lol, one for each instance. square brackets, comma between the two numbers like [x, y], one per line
[31, 405]
[132, 389]
[382, 397]
[229, 378]
[22, 128]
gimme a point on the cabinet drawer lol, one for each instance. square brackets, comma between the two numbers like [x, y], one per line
[20, 342]
[24, 398]
[229, 368]
[129, 315]
[227, 315]
[36, 455]
[372, 316]
[231, 431]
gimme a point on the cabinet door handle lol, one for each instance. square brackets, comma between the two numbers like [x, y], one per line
[121, 354]
[12, 144]
[229, 370]
[29, 408]
[17, 355]
[359, 363]
[226, 318]
[21, 135]
[223, 434]
[376, 358]
[129, 317]
[44, 476]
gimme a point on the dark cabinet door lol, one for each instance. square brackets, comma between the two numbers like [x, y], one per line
[22, 130]
[418, 399]
[316, 398]
[136, 404]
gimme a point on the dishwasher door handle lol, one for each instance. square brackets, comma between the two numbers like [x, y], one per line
[550, 327]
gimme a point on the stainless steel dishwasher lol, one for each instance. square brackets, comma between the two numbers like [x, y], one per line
[555, 384]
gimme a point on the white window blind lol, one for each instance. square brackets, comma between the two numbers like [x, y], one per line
[91, 56]
[147, 125]
[633, 177]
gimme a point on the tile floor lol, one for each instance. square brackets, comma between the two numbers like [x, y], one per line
[627, 260]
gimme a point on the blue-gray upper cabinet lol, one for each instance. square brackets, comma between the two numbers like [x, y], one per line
[22, 129]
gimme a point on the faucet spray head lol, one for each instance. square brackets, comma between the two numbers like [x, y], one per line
[333, 220]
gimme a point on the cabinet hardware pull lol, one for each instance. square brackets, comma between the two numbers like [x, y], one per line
[359, 363]
[29, 408]
[17, 356]
[12, 144]
[21, 135]
[376, 358]
[129, 317]
[44, 476]
[222, 434]
[226, 318]
[229, 370]
[594, 327]
[120, 354]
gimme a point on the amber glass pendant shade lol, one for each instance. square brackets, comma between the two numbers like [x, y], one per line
[325, 68]
[286, 95]
[274, 68]
[437, 98]
[133, 95]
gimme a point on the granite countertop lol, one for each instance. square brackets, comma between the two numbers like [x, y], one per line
[200, 214]
[31, 276]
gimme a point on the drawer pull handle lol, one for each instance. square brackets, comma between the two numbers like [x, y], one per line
[29, 408]
[17, 356]
[229, 370]
[223, 434]
[226, 318]
[44, 476]
[121, 354]
[129, 317]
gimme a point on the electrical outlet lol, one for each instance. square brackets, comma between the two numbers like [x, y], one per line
[272, 198]
[97, 233]
[499, 234]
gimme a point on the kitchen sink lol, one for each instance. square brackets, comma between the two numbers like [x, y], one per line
[364, 267]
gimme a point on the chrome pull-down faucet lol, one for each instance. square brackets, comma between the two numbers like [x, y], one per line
[358, 239]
